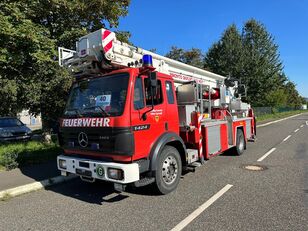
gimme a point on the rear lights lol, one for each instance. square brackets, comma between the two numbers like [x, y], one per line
[62, 164]
[116, 174]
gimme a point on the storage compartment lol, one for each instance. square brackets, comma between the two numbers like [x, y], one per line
[185, 114]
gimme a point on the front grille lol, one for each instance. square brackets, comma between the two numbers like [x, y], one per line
[19, 133]
[103, 140]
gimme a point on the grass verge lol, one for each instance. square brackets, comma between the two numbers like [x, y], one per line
[25, 153]
[278, 115]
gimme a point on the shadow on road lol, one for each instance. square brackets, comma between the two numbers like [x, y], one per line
[41, 171]
[98, 192]
[229, 152]
[94, 193]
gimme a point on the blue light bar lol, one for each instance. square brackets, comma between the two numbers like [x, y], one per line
[147, 60]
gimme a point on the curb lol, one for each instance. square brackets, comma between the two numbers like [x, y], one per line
[276, 121]
[13, 192]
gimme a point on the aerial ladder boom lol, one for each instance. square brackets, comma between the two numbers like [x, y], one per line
[101, 50]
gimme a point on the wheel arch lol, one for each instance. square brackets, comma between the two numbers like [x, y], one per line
[168, 138]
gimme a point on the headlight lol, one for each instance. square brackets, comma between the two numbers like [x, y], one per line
[62, 164]
[116, 174]
[4, 133]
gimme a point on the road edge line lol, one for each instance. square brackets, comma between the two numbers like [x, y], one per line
[276, 121]
[27, 188]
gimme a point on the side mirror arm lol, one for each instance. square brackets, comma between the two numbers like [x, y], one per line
[144, 115]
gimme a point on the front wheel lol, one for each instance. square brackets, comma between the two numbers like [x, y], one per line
[169, 170]
[240, 143]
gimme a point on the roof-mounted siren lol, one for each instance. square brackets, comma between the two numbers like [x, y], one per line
[147, 62]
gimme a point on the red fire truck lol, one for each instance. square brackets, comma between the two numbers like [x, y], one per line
[136, 117]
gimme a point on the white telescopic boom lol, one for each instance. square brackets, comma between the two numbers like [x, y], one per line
[102, 46]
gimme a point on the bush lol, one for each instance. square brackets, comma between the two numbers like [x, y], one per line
[19, 154]
[9, 160]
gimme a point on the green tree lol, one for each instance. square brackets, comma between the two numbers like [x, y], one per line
[24, 49]
[276, 98]
[68, 20]
[253, 58]
[262, 68]
[293, 98]
[192, 57]
[226, 56]
[30, 32]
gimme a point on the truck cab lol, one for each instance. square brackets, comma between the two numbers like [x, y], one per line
[112, 124]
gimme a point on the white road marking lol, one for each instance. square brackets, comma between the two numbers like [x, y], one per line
[285, 139]
[276, 121]
[302, 125]
[307, 123]
[296, 130]
[199, 210]
[266, 154]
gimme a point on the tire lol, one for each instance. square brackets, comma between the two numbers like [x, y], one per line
[240, 142]
[169, 170]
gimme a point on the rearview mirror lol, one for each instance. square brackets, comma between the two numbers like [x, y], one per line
[153, 79]
[242, 89]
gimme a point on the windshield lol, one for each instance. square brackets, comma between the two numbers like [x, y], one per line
[10, 122]
[103, 96]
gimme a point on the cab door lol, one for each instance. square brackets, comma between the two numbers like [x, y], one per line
[147, 124]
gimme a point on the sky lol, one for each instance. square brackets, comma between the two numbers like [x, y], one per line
[161, 24]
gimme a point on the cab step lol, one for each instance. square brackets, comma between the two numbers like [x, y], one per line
[192, 166]
[195, 164]
[144, 181]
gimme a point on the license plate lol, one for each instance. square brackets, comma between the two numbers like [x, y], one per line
[83, 172]
[100, 171]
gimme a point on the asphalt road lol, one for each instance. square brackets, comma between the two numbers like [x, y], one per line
[273, 199]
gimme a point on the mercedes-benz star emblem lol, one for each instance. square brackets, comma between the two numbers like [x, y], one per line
[83, 139]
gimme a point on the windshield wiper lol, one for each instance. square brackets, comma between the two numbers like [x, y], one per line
[76, 110]
[100, 108]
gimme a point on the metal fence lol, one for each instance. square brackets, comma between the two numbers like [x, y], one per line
[269, 110]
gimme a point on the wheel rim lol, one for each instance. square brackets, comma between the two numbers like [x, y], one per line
[169, 170]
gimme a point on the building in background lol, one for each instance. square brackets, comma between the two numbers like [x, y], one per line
[304, 106]
[33, 122]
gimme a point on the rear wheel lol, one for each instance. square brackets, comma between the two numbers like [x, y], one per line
[240, 142]
[169, 170]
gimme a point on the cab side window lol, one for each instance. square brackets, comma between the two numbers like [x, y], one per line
[170, 93]
[157, 96]
[138, 94]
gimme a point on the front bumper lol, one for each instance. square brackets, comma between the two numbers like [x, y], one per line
[87, 168]
[15, 138]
